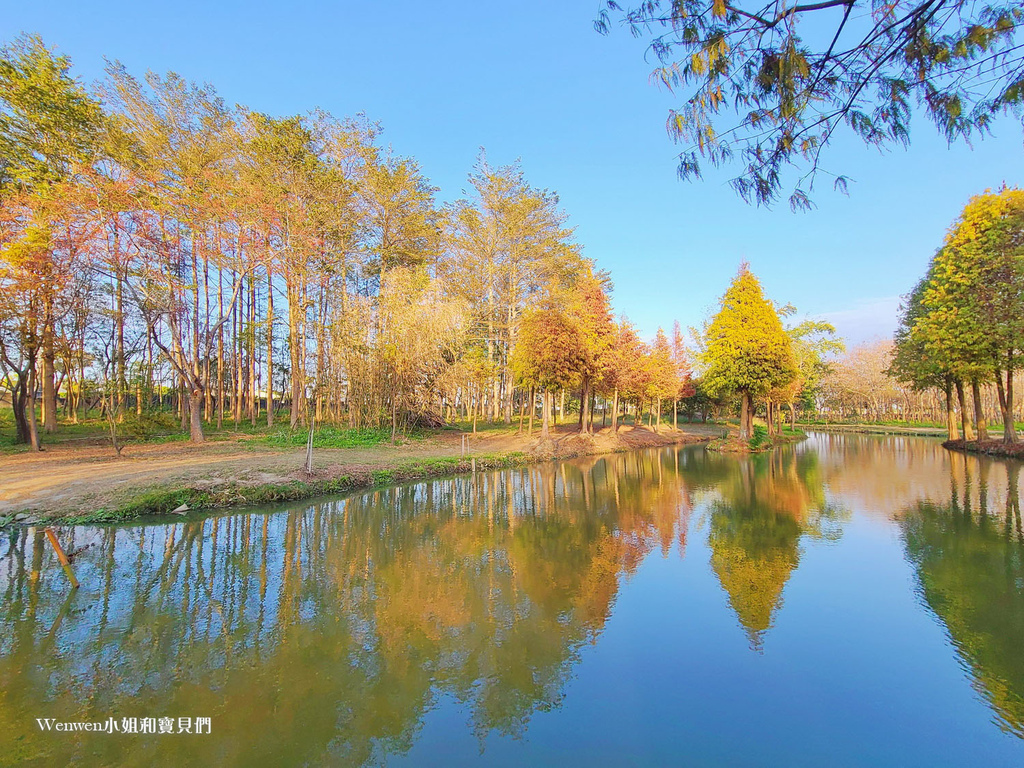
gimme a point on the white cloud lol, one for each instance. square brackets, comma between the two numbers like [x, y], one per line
[866, 319]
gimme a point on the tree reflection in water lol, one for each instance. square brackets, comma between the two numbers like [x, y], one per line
[969, 558]
[764, 505]
[325, 633]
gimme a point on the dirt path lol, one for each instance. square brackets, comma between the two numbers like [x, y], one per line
[74, 480]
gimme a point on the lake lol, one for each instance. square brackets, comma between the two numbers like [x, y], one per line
[850, 600]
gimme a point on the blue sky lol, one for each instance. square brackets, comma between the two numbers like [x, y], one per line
[532, 80]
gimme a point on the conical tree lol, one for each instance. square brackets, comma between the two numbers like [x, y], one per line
[747, 351]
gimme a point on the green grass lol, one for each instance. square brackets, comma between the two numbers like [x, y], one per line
[760, 437]
[163, 501]
[165, 427]
[328, 437]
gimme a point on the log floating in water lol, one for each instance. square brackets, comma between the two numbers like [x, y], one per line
[65, 563]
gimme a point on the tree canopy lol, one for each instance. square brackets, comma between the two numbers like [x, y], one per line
[768, 84]
[747, 351]
[964, 321]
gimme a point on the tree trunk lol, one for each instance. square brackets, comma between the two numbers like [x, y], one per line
[583, 400]
[615, 411]
[309, 447]
[33, 426]
[195, 401]
[19, 404]
[1005, 393]
[270, 347]
[49, 375]
[295, 342]
[965, 418]
[744, 415]
[585, 406]
[545, 417]
[220, 352]
[533, 410]
[979, 413]
[951, 426]
[1009, 428]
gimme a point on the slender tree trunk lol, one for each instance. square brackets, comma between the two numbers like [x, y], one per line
[254, 391]
[979, 413]
[220, 352]
[951, 427]
[309, 446]
[1010, 428]
[33, 425]
[295, 340]
[270, 346]
[1005, 394]
[585, 408]
[545, 415]
[615, 411]
[49, 373]
[120, 378]
[965, 417]
[533, 409]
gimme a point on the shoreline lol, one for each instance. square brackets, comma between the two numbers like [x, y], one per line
[875, 429]
[995, 448]
[334, 473]
[732, 444]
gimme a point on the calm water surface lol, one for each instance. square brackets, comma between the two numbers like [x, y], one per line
[851, 600]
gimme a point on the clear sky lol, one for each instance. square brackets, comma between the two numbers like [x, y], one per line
[532, 80]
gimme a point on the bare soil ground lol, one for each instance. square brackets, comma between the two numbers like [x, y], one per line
[73, 480]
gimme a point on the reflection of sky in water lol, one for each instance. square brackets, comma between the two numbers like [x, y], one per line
[853, 600]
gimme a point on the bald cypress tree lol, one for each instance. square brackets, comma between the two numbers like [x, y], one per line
[747, 352]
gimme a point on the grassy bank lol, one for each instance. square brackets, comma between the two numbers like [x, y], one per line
[162, 501]
[100, 489]
[760, 442]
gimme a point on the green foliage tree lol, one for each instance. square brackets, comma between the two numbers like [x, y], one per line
[48, 123]
[813, 341]
[964, 321]
[747, 350]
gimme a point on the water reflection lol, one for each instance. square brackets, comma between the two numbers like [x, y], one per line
[333, 627]
[765, 505]
[328, 633]
[969, 556]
